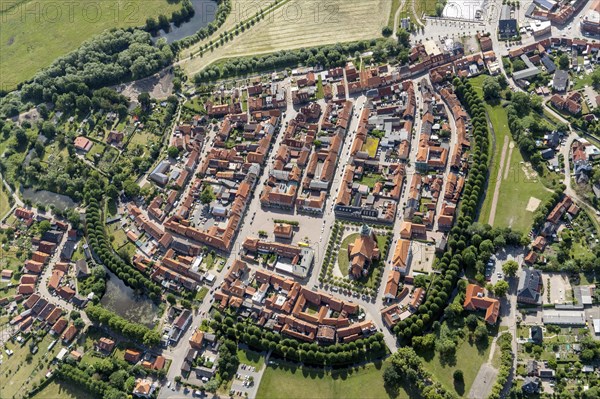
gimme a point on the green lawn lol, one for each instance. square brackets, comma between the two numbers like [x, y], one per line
[518, 187]
[4, 205]
[343, 254]
[468, 358]
[320, 93]
[369, 179]
[201, 294]
[18, 373]
[62, 390]
[395, 5]
[35, 33]
[251, 358]
[516, 191]
[286, 380]
[581, 83]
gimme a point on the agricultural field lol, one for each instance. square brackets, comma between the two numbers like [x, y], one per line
[286, 380]
[295, 25]
[35, 33]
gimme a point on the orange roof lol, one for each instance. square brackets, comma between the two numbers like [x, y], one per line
[475, 299]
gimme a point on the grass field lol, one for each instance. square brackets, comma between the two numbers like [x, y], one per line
[343, 253]
[251, 358]
[18, 373]
[62, 390]
[518, 184]
[4, 205]
[468, 359]
[300, 24]
[288, 381]
[34, 33]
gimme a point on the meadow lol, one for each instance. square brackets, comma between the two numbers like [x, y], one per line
[34, 33]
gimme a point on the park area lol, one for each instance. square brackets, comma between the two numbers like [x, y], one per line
[511, 180]
[35, 33]
[295, 25]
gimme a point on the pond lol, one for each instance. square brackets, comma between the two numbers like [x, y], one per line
[205, 13]
[123, 301]
[48, 198]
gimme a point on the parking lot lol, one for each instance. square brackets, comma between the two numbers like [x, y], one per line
[557, 288]
[244, 381]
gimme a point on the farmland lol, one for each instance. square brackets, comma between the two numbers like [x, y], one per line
[295, 25]
[35, 33]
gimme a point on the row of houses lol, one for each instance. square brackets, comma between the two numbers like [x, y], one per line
[284, 306]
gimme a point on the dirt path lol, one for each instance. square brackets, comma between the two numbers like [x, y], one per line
[498, 182]
[511, 146]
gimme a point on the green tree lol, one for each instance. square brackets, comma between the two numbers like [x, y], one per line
[501, 288]
[510, 268]
[173, 152]
[563, 61]
[207, 195]
[491, 88]
[44, 226]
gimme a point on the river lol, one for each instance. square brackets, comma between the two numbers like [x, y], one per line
[48, 198]
[205, 13]
[123, 301]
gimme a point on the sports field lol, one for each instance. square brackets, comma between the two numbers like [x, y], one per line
[297, 24]
[34, 33]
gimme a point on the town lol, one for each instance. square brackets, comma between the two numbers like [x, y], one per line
[416, 215]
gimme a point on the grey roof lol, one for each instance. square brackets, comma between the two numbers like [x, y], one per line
[529, 284]
[564, 317]
[548, 63]
[561, 79]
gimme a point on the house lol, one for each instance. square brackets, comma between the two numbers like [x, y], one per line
[537, 335]
[530, 386]
[69, 334]
[530, 285]
[476, 300]
[560, 82]
[132, 356]
[507, 25]
[363, 252]
[144, 388]
[83, 144]
[532, 368]
[283, 230]
[105, 345]
[82, 268]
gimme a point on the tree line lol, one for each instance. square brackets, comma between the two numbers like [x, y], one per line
[463, 241]
[339, 354]
[327, 56]
[101, 246]
[134, 331]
